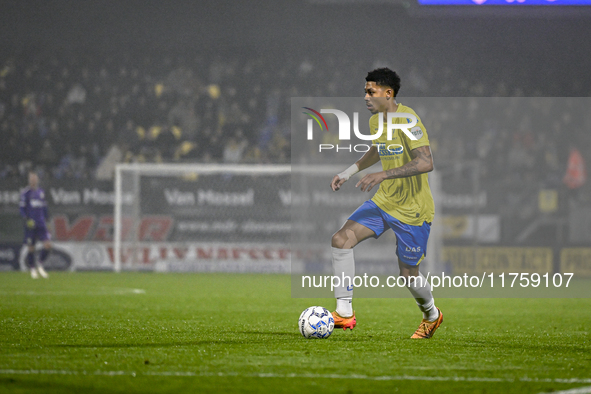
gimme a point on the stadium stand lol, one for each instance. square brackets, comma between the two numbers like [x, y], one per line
[72, 115]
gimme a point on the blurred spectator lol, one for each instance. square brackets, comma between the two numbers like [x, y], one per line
[77, 114]
[233, 150]
[76, 95]
[106, 168]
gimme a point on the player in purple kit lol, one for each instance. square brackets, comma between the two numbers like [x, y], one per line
[33, 209]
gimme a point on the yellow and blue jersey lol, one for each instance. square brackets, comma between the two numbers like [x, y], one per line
[407, 199]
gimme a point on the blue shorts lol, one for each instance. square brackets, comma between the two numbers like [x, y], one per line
[411, 241]
[36, 234]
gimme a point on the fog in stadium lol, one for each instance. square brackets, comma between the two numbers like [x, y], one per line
[184, 152]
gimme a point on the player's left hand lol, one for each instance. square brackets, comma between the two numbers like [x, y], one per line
[371, 180]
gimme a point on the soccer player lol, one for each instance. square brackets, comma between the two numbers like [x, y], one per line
[33, 209]
[403, 202]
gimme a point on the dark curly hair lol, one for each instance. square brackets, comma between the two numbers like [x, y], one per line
[384, 77]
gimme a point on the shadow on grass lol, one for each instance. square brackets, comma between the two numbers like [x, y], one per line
[272, 333]
[347, 336]
[156, 344]
[250, 337]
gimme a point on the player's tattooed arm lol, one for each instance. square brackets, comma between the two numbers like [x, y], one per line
[421, 163]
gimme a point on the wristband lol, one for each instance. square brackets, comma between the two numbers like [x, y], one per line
[349, 172]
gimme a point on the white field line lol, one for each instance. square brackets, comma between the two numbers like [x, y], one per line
[297, 376]
[578, 390]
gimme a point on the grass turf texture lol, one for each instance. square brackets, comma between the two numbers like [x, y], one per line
[135, 332]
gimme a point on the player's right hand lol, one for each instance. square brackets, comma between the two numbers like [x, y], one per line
[337, 182]
[31, 223]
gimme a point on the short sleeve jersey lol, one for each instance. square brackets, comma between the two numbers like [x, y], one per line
[407, 199]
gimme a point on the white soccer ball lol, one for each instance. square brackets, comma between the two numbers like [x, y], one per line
[316, 322]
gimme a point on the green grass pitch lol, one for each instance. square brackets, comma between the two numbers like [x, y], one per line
[199, 333]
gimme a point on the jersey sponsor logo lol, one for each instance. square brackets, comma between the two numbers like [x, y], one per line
[413, 249]
[37, 203]
[390, 150]
[417, 132]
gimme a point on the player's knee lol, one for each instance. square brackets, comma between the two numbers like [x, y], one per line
[408, 271]
[339, 239]
[344, 239]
